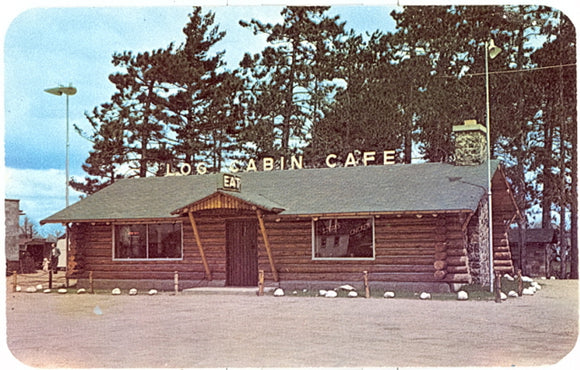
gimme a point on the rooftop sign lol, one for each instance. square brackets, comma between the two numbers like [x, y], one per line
[230, 182]
[295, 162]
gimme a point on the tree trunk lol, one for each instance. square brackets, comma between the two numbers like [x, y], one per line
[408, 144]
[523, 247]
[546, 196]
[563, 243]
[574, 244]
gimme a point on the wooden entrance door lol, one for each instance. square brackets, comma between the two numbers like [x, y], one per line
[241, 253]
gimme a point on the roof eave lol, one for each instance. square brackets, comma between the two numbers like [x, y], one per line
[433, 213]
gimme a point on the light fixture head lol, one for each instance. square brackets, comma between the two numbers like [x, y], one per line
[62, 90]
[492, 49]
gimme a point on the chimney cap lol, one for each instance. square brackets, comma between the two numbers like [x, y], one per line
[469, 125]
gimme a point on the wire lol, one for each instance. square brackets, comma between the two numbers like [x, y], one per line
[514, 70]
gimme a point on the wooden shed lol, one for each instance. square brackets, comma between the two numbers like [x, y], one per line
[423, 226]
[536, 254]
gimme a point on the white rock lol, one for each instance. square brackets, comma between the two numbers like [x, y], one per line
[295, 292]
[543, 278]
[509, 277]
[389, 295]
[502, 296]
[153, 292]
[304, 290]
[513, 294]
[527, 279]
[31, 289]
[425, 295]
[279, 292]
[552, 278]
[331, 294]
[81, 291]
[133, 291]
[347, 287]
[62, 291]
[18, 288]
[116, 291]
[536, 285]
[39, 287]
[462, 296]
[47, 290]
[352, 294]
[528, 291]
[322, 292]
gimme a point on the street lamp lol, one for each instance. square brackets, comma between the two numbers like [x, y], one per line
[66, 91]
[491, 51]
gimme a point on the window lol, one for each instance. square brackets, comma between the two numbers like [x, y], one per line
[340, 238]
[151, 241]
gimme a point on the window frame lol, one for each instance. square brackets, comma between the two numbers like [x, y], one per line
[313, 233]
[147, 258]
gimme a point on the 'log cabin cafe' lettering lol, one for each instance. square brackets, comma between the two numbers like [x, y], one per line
[422, 226]
[295, 162]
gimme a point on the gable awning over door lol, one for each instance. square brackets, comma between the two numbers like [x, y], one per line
[223, 200]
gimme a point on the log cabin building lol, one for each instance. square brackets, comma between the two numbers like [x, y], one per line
[418, 226]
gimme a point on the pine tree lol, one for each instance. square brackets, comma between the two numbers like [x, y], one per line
[375, 109]
[108, 153]
[289, 82]
[555, 78]
[140, 101]
[204, 112]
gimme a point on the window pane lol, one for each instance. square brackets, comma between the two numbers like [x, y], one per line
[130, 241]
[347, 238]
[165, 241]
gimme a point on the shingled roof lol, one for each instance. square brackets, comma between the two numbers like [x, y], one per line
[425, 187]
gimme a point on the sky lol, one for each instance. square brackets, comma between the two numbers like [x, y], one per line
[45, 47]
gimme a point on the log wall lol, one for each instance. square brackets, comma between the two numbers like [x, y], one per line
[413, 249]
[504, 212]
[407, 249]
[93, 245]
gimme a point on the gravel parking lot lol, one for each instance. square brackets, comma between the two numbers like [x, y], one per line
[184, 331]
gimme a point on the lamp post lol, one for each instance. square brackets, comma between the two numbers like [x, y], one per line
[58, 91]
[66, 91]
[491, 51]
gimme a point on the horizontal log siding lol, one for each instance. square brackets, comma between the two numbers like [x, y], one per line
[95, 244]
[404, 252]
[503, 212]
[406, 249]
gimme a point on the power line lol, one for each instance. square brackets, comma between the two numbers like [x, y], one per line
[514, 70]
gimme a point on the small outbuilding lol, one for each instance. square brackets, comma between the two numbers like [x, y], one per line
[534, 259]
[422, 226]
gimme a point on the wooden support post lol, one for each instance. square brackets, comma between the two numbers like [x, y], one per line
[91, 284]
[49, 277]
[261, 282]
[366, 280]
[520, 283]
[14, 281]
[267, 244]
[497, 287]
[199, 246]
[176, 282]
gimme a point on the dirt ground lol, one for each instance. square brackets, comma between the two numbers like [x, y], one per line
[188, 331]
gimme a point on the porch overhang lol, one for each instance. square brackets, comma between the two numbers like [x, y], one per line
[224, 200]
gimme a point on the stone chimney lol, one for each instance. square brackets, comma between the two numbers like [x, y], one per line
[470, 143]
